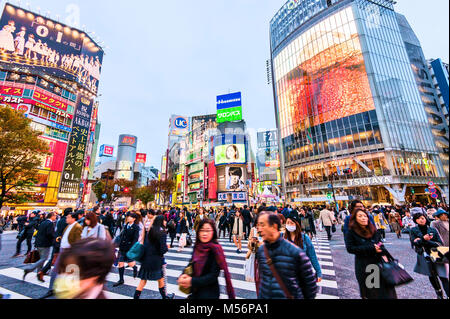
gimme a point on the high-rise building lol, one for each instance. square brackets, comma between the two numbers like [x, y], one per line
[428, 92]
[349, 111]
[439, 73]
[50, 72]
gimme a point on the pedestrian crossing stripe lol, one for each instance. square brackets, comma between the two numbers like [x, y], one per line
[17, 274]
[181, 259]
[12, 294]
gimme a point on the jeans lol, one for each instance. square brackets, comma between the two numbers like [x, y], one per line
[44, 252]
[19, 244]
[328, 229]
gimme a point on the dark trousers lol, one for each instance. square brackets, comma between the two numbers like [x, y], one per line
[247, 228]
[230, 230]
[19, 244]
[328, 229]
[435, 282]
[224, 230]
[382, 233]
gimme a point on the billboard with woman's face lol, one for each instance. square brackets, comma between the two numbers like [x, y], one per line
[230, 154]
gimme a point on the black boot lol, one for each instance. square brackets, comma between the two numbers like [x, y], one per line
[121, 280]
[162, 291]
[137, 294]
[135, 272]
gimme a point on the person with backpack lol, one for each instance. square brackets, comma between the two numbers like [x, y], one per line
[172, 228]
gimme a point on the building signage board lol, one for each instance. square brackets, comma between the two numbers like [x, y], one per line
[106, 151]
[229, 107]
[236, 197]
[371, 181]
[75, 159]
[141, 158]
[179, 125]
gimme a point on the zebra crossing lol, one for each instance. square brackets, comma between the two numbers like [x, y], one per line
[176, 262]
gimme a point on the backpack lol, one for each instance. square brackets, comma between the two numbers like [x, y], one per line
[171, 225]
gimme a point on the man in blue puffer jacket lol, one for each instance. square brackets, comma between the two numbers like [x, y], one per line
[291, 263]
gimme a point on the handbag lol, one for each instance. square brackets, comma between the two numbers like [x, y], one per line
[276, 275]
[188, 241]
[136, 252]
[394, 273]
[32, 257]
[333, 228]
[189, 270]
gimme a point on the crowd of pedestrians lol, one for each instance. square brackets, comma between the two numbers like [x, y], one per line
[280, 259]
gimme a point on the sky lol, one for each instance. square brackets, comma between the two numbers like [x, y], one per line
[175, 57]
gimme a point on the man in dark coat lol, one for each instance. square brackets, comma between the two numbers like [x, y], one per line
[247, 221]
[289, 261]
[60, 227]
[44, 241]
[29, 226]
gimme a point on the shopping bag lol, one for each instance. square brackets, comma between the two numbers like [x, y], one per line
[249, 269]
[32, 257]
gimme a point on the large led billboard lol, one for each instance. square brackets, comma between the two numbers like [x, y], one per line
[230, 154]
[29, 39]
[235, 179]
[321, 75]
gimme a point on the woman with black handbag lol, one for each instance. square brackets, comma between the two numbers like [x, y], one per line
[423, 239]
[200, 278]
[153, 266]
[363, 241]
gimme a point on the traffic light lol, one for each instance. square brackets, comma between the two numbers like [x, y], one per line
[126, 190]
[330, 195]
[413, 191]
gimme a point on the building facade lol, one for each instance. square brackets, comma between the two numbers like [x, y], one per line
[346, 100]
[50, 73]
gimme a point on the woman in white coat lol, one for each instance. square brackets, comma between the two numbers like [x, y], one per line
[93, 229]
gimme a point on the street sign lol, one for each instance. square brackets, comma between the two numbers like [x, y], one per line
[434, 196]
[431, 184]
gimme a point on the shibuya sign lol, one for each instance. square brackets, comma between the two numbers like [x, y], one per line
[371, 181]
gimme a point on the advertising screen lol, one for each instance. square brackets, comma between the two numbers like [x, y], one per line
[29, 39]
[235, 179]
[230, 154]
[71, 178]
[321, 76]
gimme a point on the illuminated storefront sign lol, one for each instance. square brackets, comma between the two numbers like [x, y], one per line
[7, 90]
[371, 181]
[41, 97]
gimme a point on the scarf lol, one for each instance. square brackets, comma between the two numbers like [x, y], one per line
[201, 253]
